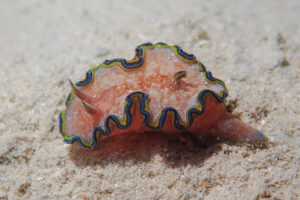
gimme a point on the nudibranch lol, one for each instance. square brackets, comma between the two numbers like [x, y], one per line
[162, 89]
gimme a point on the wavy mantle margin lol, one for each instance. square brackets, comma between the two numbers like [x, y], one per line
[113, 120]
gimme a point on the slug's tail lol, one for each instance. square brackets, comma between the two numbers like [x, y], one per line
[234, 129]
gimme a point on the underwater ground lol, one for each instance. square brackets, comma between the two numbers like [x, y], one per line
[253, 46]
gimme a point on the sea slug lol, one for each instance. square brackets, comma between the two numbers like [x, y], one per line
[161, 89]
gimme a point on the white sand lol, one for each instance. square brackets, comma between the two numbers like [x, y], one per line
[253, 46]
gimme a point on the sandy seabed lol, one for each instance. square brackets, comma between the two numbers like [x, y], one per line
[254, 46]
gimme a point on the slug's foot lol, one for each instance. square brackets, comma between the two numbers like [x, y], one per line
[232, 128]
